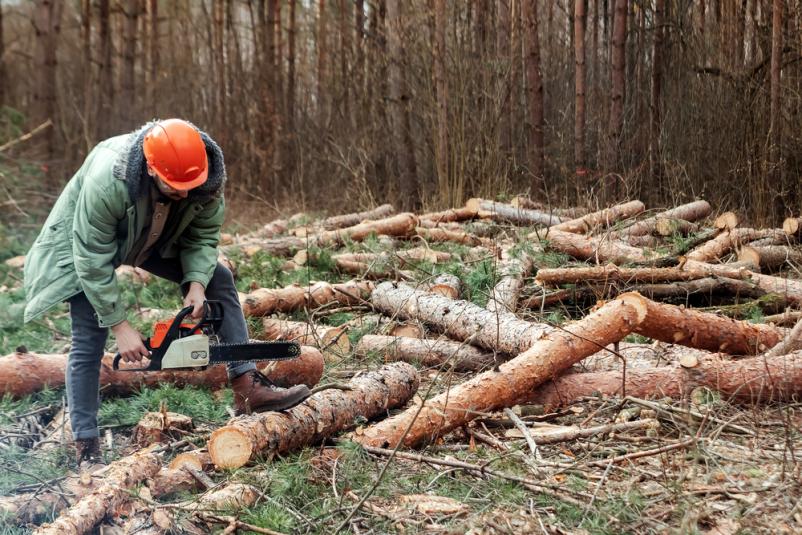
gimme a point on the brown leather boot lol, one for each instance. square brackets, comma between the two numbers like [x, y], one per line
[88, 450]
[253, 392]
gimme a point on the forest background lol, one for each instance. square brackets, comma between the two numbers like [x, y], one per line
[342, 104]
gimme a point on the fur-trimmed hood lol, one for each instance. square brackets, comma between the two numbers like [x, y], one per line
[132, 168]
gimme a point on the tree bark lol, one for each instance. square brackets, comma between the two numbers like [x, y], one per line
[436, 234]
[505, 212]
[770, 258]
[515, 380]
[580, 76]
[429, 353]
[320, 416]
[130, 11]
[669, 227]
[47, 27]
[460, 320]
[266, 301]
[450, 215]
[597, 248]
[333, 342]
[24, 373]
[752, 380]
[121, 476]
[618, 85]
[534, 94]
[447, 285]
[613, 273]
[790, 289]
[602, 219]
[504, 298]
[687, 212]
[775, 117]
[349, 220]
[729, 240]
[441, 147]
[322, 59]
[656, 122]
[701, 330]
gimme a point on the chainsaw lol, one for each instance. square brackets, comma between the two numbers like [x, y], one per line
[177, 345]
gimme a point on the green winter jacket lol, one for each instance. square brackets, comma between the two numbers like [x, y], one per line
[101, 214]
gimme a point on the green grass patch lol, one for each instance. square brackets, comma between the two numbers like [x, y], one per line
[199, 403]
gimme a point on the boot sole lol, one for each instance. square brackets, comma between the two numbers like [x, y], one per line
[288, 404]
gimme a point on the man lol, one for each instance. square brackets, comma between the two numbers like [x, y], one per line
[152, 198]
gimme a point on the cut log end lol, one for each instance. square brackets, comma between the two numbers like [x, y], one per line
[637, 302]
[473, 204]
[791, 226]
[726, 221]
[229, 448]
[749, 255]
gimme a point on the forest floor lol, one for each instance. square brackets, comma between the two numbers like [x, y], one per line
[709, 467]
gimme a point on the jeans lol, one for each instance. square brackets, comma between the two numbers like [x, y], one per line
[89, 340]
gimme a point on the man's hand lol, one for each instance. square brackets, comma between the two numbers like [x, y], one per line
[129, 342]
[195, 297]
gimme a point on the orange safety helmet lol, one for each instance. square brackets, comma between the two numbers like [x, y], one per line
[175, 151]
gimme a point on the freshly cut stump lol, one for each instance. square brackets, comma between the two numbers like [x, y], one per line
[322, 415]
[463, 357]
[460, 320]
[515, 380]
[156, 427]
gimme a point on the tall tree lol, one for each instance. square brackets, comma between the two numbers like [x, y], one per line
[655, 124]
[290, 106]
[580, 16]
[322, 57]
[618, 84]
[504, 79]
[2, 62]
[534, 94]
[441, 94]
[153, 42]
[47, 24]
[106, 71]
[775, 126]
[128, 85]
[399, 106]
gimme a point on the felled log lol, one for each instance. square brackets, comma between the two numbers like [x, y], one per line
[726, 221]
[322, 415]
[789, 318]
[677, 325]
[349, 220]
[670, 226]
[512, 272]
[403, 224]
[282, 246]
[770, 258]
[459, 320]
[727, 241]
[706, 286]
[156, 427]
[602, 218]
[266, 301]
[611, 272]
[505, 212]
[114, 488]
[596, 248]
[332, 341]
[693, 211]
[450, 215]
[515, 380]
[430, 353]
[752, 380]
[437, 234]
[24, 373]
[790, 289]
[565, 213]
[447, 285]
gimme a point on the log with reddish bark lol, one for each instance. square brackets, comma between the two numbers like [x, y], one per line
[349, 220]
[449, 216]
[322, 415]
[512, 271]
[565, 213]
[445, 284]
[114, 488]
[266, 301]
[437, 234]
[771, 258]
[789, 318]
[24, 373]
[752, 380]
[602, 218]
[702, 330]
[693, 211]
[596, 248]
[670, 227]
[403, 225]
[789, 289]
[727, 241]
[332, 341]
[726, 221]
[505, 212]
[514, 381]
[431, 353]
[459, 320]
[611, 272]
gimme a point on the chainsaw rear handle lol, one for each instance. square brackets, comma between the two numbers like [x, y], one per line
[212, 317]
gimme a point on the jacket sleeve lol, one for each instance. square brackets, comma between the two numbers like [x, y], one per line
[94, 246]
[198, 243]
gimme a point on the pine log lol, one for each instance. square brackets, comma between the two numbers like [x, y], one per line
[669, 227]
[677, 325]
[333, 342]
[195, 459]
[438, 234]
[459, 320]
[274, 228]
[729, 240]
[505, 212]
[726, 221]
[447, 285]
[790, 289]
[706, 286]
[114, 488]
[602, 218]
[403, 224]
[792, 226]
[322, 415]
[596, 248]
[687, 212]
[566, 213]
[515, 380]
[430, 353]
[282, 246]
[512, 271]
[266, 301]
[450, 215]
[611, 272]
[156, 427]
[24, 373]
[349, 220]
[752, 380]
[372, 270]
[770, 258]
[789, 318]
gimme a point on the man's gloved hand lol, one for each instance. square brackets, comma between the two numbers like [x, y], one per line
[129, 342]
[196, 296]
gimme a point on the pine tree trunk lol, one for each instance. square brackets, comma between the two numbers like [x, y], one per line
[514, 382]
[655, 125]
[503, 31]
[580, 77]
[106, 79]
[319, 417]
[618, 86]
[612, 273]
[128, 82]
[534, 92]
[47, 26]
[775, 126]
[441, 98]
[266, 301]
[290, 106]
